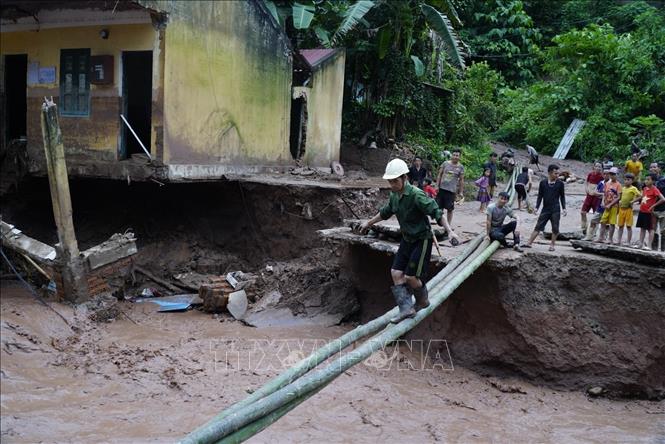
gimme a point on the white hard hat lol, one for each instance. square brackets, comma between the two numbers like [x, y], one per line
[395, 169]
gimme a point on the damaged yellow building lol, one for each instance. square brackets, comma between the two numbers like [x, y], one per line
[205, 86]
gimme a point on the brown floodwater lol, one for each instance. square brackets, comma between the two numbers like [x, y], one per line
[159, 375]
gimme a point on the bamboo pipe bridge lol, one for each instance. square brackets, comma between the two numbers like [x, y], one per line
[283, 393]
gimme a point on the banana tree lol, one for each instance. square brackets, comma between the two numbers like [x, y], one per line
[302, 15]
[408, 19]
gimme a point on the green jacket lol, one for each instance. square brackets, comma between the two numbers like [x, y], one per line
[412, 208]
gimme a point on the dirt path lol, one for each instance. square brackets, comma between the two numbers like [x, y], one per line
[157, 379]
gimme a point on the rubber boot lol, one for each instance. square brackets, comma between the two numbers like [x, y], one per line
[403, 301]
[422, 298]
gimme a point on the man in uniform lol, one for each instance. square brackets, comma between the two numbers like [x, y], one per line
[412, 208]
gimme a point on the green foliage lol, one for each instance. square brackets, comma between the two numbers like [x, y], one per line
[503, 33]
[596, 74]
[442, 26]
[418, 66]
[650, 135]
[302, 15]
[352, 16]
[475, 109]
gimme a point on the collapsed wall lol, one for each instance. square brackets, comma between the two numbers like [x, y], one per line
[569, 321]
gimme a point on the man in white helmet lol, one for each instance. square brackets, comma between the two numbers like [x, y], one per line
[412, 207]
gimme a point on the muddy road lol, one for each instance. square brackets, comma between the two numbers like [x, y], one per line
[157, 379]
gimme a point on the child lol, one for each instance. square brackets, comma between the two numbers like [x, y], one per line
[429, 189]
[599, 210]
[610, 202]
[651, 197]
[483, 192]
[522, 187]
[629, 195]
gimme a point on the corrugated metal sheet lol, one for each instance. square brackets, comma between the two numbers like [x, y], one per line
[568, 139]
[315, 57]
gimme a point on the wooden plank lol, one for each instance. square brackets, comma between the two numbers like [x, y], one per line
[568, 138]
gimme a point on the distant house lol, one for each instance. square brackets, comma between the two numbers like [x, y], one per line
[206, 87]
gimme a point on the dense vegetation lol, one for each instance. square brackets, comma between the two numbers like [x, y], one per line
[443, 73]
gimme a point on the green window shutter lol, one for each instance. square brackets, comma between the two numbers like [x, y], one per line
[75, 82]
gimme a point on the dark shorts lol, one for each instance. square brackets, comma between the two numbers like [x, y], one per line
[644, 220]
[548, 216]
[521, 191]
[500, 233]
[413, 257]
[445, 199]
[591, 203]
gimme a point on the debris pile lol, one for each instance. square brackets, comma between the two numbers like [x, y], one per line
[227, 293]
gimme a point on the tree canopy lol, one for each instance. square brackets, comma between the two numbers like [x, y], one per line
[442, 73]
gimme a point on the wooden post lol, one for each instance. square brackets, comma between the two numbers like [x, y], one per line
[73, 270]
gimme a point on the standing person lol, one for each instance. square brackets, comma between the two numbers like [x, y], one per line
[533, 156]
[651, 198]
[450, 182]
[522, 187]
[657, 168]
[417, 173]
[591, 201]
[483, 195]
[634, 166]
[629, 195]
[599, 210]
[550, 192]
[608, 162]
[491, 164]
[496, 214]
[610, 202]
[412, 208]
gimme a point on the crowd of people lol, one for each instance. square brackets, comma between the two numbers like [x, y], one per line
[613, 203]
[414, 200]
[610, 202]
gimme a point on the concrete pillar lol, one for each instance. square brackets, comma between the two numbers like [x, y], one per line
[73, 268]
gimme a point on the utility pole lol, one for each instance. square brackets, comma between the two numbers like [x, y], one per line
[73, 269]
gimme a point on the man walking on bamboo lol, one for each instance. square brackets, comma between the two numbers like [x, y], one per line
[412, 208]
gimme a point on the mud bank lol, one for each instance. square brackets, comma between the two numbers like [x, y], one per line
[570, 321]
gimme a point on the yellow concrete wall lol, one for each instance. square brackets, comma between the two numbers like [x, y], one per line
[324, 113]
[227, 85]
[98, 132]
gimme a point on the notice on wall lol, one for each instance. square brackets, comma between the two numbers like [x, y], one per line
[33, 73]
[47, 74]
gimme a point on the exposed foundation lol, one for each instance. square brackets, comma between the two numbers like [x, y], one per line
[568, 320]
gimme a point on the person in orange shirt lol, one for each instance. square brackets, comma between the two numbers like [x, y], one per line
[634, 166]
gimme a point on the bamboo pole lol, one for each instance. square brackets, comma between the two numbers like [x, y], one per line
[257, 426]
[312, 381]
[285, 398]
[323, 353]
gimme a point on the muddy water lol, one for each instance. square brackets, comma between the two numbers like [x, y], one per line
[157, 379]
